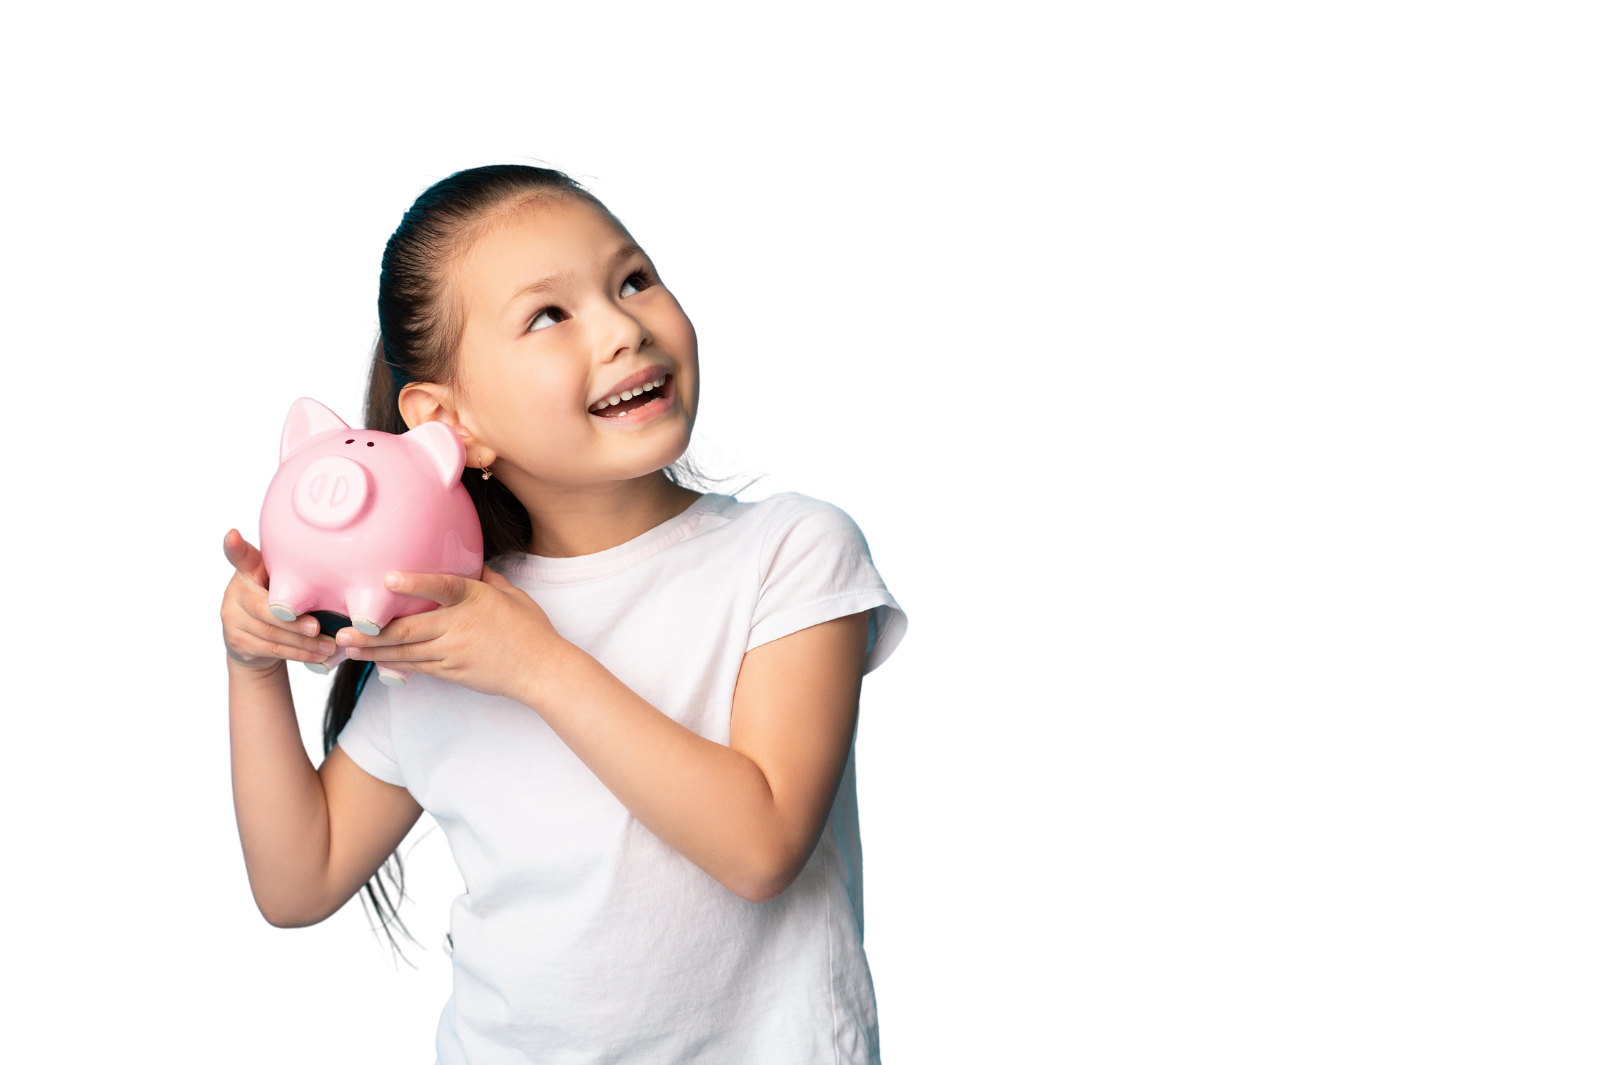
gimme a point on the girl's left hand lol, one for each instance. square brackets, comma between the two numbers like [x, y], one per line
[487, 635]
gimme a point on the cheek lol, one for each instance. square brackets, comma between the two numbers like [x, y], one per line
[536, 398]
[551, 395]
[676, 334]
[672, 327]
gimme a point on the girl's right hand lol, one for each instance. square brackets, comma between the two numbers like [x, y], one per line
[254, 638]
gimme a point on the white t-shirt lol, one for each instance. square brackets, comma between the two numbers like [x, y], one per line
[581, 936]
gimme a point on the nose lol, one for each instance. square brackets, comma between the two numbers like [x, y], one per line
[620, 331]
[331, 493]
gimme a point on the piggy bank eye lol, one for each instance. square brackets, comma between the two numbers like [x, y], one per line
[351, 440]
[369, 443]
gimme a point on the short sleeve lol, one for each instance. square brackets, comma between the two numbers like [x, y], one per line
[366, 739]
[815, 567]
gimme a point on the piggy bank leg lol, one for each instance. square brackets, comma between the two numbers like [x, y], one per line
[370, 609]
[327, 667]
[287, 598]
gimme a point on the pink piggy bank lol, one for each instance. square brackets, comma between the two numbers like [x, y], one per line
[347, 506]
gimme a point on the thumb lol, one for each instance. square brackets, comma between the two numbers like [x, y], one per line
[242, 555]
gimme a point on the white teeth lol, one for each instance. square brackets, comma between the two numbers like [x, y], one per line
[612, 401]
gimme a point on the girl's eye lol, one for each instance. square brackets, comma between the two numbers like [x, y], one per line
[635, 284]
[546, 318]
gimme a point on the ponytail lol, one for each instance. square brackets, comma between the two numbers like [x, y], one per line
[407, 918]
[417, 339]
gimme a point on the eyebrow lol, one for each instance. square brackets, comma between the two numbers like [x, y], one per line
[546, 284]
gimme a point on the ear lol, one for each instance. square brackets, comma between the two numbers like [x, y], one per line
[439, 446]
[307, 419]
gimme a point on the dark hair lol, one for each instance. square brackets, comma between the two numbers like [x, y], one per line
[419, 330]
[413, 331]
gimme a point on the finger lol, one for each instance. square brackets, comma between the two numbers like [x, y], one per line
[432, 669]
[446, 589]
[398, 656]
[269, 628]
[245, 606]
[253, 646]
[414, 628]
[237, 549]
[350, 636]
[243, 556]
[250, 599]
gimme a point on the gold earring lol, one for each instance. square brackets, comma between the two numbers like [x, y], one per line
[485, 471]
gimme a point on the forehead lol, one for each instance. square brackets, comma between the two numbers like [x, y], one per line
[539, 238]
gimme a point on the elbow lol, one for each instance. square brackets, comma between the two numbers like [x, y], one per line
[276, 917]
[291, 919]
[281, 913]
[762, 891]
[271, 908]
[765, 879]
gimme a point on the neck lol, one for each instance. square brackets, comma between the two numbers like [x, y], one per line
[572, 520]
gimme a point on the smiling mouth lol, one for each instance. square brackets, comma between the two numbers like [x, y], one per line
[625, 403]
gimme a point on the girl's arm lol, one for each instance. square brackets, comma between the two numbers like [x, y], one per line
[749, 814]
[311, 838]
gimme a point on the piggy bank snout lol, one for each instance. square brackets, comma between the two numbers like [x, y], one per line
[331, 492]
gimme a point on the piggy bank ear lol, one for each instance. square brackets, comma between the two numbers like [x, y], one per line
[440, 448]
[307, 419]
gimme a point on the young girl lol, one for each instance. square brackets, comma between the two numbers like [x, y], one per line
[635, 728]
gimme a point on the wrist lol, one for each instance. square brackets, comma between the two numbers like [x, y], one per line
[548, 668]
[267, 673]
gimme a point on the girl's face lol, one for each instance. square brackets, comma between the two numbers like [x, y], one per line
[577, 366]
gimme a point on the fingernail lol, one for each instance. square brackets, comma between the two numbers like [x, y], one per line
[326, 646]
[311, 627]
[391, 580]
